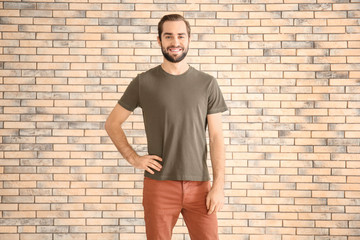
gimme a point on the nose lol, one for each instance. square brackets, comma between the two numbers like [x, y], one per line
[175, 41]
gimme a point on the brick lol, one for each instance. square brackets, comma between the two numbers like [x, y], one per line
[110, 236]
[227, 30]
[212, 37]
[217, 7]
[83, 21]
[17, 5]
[207, 22]
[298, 14]
[334, 14]
[214, 52]
[36, 13]
[102, 222]
[84, 6]
[68, 13]
[51, 6]
[39, 236]
[133, 14]
[79, 236]
[344, 231]
[153, 7]
[10, 13]
[298, 223]
[18, 199]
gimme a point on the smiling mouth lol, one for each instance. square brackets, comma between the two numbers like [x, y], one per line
[175, 50]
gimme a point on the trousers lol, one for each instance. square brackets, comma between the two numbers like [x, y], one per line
[163, 202]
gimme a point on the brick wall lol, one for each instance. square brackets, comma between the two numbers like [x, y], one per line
[289, 71]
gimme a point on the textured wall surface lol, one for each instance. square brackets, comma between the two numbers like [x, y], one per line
[289, 71]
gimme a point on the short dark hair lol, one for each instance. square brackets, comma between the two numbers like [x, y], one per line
[172, 17]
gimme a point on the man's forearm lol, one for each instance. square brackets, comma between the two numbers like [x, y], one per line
[118, 137]
[217, 155]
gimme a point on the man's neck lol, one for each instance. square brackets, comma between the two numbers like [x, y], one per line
[175, 68]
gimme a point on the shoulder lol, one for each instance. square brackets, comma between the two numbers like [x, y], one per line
[150, 72]
[205, 79]
[202, 75]
[139, 78]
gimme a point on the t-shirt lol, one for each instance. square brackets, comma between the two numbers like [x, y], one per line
[174, 109]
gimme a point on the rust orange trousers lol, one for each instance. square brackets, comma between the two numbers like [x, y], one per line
[163, 202]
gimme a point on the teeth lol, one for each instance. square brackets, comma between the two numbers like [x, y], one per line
[175, 49]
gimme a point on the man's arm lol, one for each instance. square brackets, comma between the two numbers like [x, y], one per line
[113, 127]
[215, 198]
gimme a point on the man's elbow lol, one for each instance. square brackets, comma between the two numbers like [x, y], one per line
[116, 118]
[216, 142]
[109, 126]
[216, 137]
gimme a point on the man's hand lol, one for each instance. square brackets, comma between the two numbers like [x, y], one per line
[147, 162]
[215, 200]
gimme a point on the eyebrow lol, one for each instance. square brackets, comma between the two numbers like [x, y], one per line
[173, 34]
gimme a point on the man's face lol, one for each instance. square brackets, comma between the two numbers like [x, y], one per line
[174, 41]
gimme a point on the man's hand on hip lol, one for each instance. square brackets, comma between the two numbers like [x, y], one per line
[147, 162]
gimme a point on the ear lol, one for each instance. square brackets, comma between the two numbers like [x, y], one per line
[159, 41]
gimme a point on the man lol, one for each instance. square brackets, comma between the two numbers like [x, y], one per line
[178, 102]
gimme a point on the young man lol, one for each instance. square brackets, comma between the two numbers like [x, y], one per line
[178, 103]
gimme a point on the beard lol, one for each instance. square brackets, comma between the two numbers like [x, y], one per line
[177, 58]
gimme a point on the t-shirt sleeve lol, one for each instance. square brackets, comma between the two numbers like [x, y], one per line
[130, 99]
[216, 102]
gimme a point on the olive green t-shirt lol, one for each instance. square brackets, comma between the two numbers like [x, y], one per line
[174, 111]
